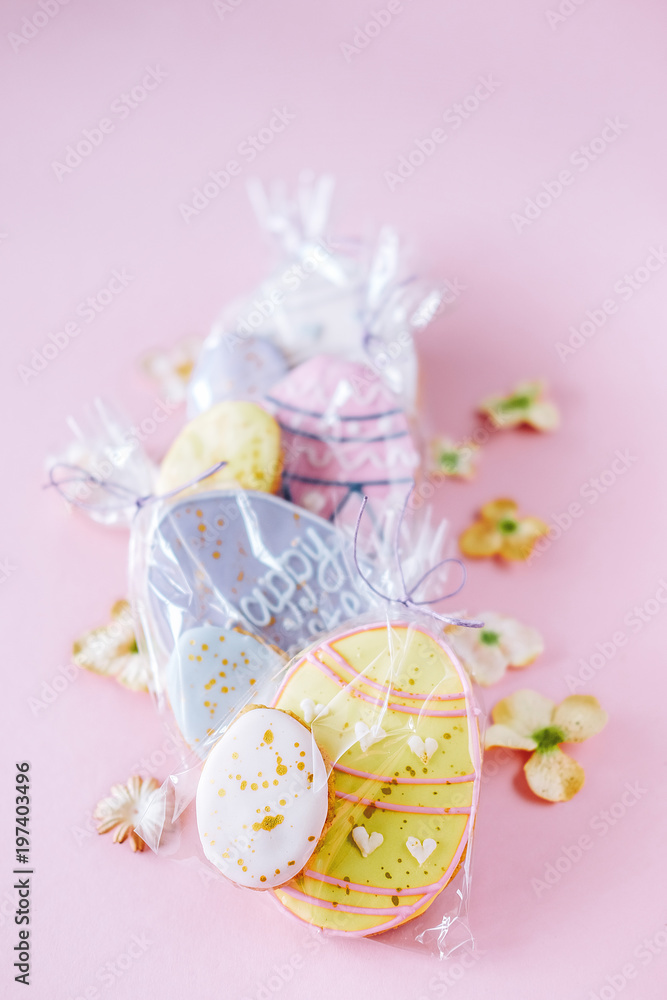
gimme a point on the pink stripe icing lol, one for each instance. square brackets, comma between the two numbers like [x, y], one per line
[456, 714]
[404, 809]
[405, 911]
[375, 890]
[335, 655]
[461, 779]
[370, 911]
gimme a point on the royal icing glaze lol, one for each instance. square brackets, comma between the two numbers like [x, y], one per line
[309, 710]
[342, 434]
[262, 799]
[424, 749]
[210, 673]
[254, 558]
[421, 850]
[408, 684]
[367, 736]
[365, 841]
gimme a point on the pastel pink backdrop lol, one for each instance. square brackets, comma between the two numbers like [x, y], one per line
[226, 70]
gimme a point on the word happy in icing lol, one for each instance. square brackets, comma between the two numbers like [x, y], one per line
[249, 557]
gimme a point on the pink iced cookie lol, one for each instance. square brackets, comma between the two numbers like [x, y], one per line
[343, 433]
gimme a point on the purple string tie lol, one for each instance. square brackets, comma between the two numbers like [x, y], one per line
[125, 495]
[406, 600]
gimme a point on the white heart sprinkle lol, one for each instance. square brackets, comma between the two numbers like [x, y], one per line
[367, 737]
[420, 852]
[312, 709]
[423, 748]
[365, 842]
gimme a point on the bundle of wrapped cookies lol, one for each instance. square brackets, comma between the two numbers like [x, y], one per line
[392, 722]
[329, 733]
[352, 794]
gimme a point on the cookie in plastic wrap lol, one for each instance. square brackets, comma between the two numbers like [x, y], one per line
[239, 557]
[393, 709]
[343, 434]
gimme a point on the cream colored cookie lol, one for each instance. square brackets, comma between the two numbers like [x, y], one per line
[239, 433]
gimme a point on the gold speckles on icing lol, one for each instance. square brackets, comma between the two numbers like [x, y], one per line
[418, 793]
[266, 823]
[201, 696]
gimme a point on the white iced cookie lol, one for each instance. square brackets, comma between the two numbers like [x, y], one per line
[241, 434]
[262, 799]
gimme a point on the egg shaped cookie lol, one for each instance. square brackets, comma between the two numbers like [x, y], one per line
[262, 799]
[343, 433]
[210, 673]
[234, 367]
[255, 558]
[239, 433]
[392, 708]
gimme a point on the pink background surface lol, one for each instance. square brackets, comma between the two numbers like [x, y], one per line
[61, 239]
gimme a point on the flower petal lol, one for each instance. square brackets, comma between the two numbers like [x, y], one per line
[501, 416]
[524, 405]
[452, 459]
[112, 650]
[487, 665]
[173, 367]
[123, 831]
[96, 651]
[136, 843]
[554, 776]
[129, 806]
[525, 712]
[499, 510]
[543, 415]
[479, 540]
[503, 736]
[520, 643]
[580, 716]
[133, 672]
[520, 543]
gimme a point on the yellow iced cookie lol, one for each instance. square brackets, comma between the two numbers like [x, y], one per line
[239, 433]
[393, 709]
